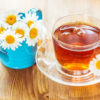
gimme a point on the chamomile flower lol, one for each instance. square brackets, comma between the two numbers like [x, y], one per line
[30, 19]
[10, 40]
[21, 29]
[95, 65]
[33, 35]
[3, 27]
[9, 18]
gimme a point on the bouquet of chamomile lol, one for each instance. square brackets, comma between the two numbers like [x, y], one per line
[17, 27]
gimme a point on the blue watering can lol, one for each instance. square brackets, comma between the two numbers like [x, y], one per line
[23, 56]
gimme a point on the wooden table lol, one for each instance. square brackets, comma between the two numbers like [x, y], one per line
[30, 83]
[25, 84]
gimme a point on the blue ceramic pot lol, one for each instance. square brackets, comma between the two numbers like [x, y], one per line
[23, 56]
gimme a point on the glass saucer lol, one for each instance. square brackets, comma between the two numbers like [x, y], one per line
[48, 65]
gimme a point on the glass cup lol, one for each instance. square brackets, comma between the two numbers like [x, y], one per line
[75, 58]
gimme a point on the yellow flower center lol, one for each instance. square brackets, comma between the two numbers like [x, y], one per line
[39, 42]
[98, 64]
[29, 23]
[20, 31]
[11, 19]
[10, 39]
[33, 33]
[2, 29]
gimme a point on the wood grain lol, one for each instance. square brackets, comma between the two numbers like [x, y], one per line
[16, 84]
[24, 84]
[30, 83]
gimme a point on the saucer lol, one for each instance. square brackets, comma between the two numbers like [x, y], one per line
[49, 66]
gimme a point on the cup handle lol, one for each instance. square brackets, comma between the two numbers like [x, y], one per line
[2, 51]
[3, 55]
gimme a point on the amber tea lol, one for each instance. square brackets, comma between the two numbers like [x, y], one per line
[71, 43]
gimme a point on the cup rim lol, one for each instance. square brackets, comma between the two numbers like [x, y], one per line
[95, 44]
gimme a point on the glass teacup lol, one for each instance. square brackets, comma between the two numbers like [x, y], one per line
[76, 41]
